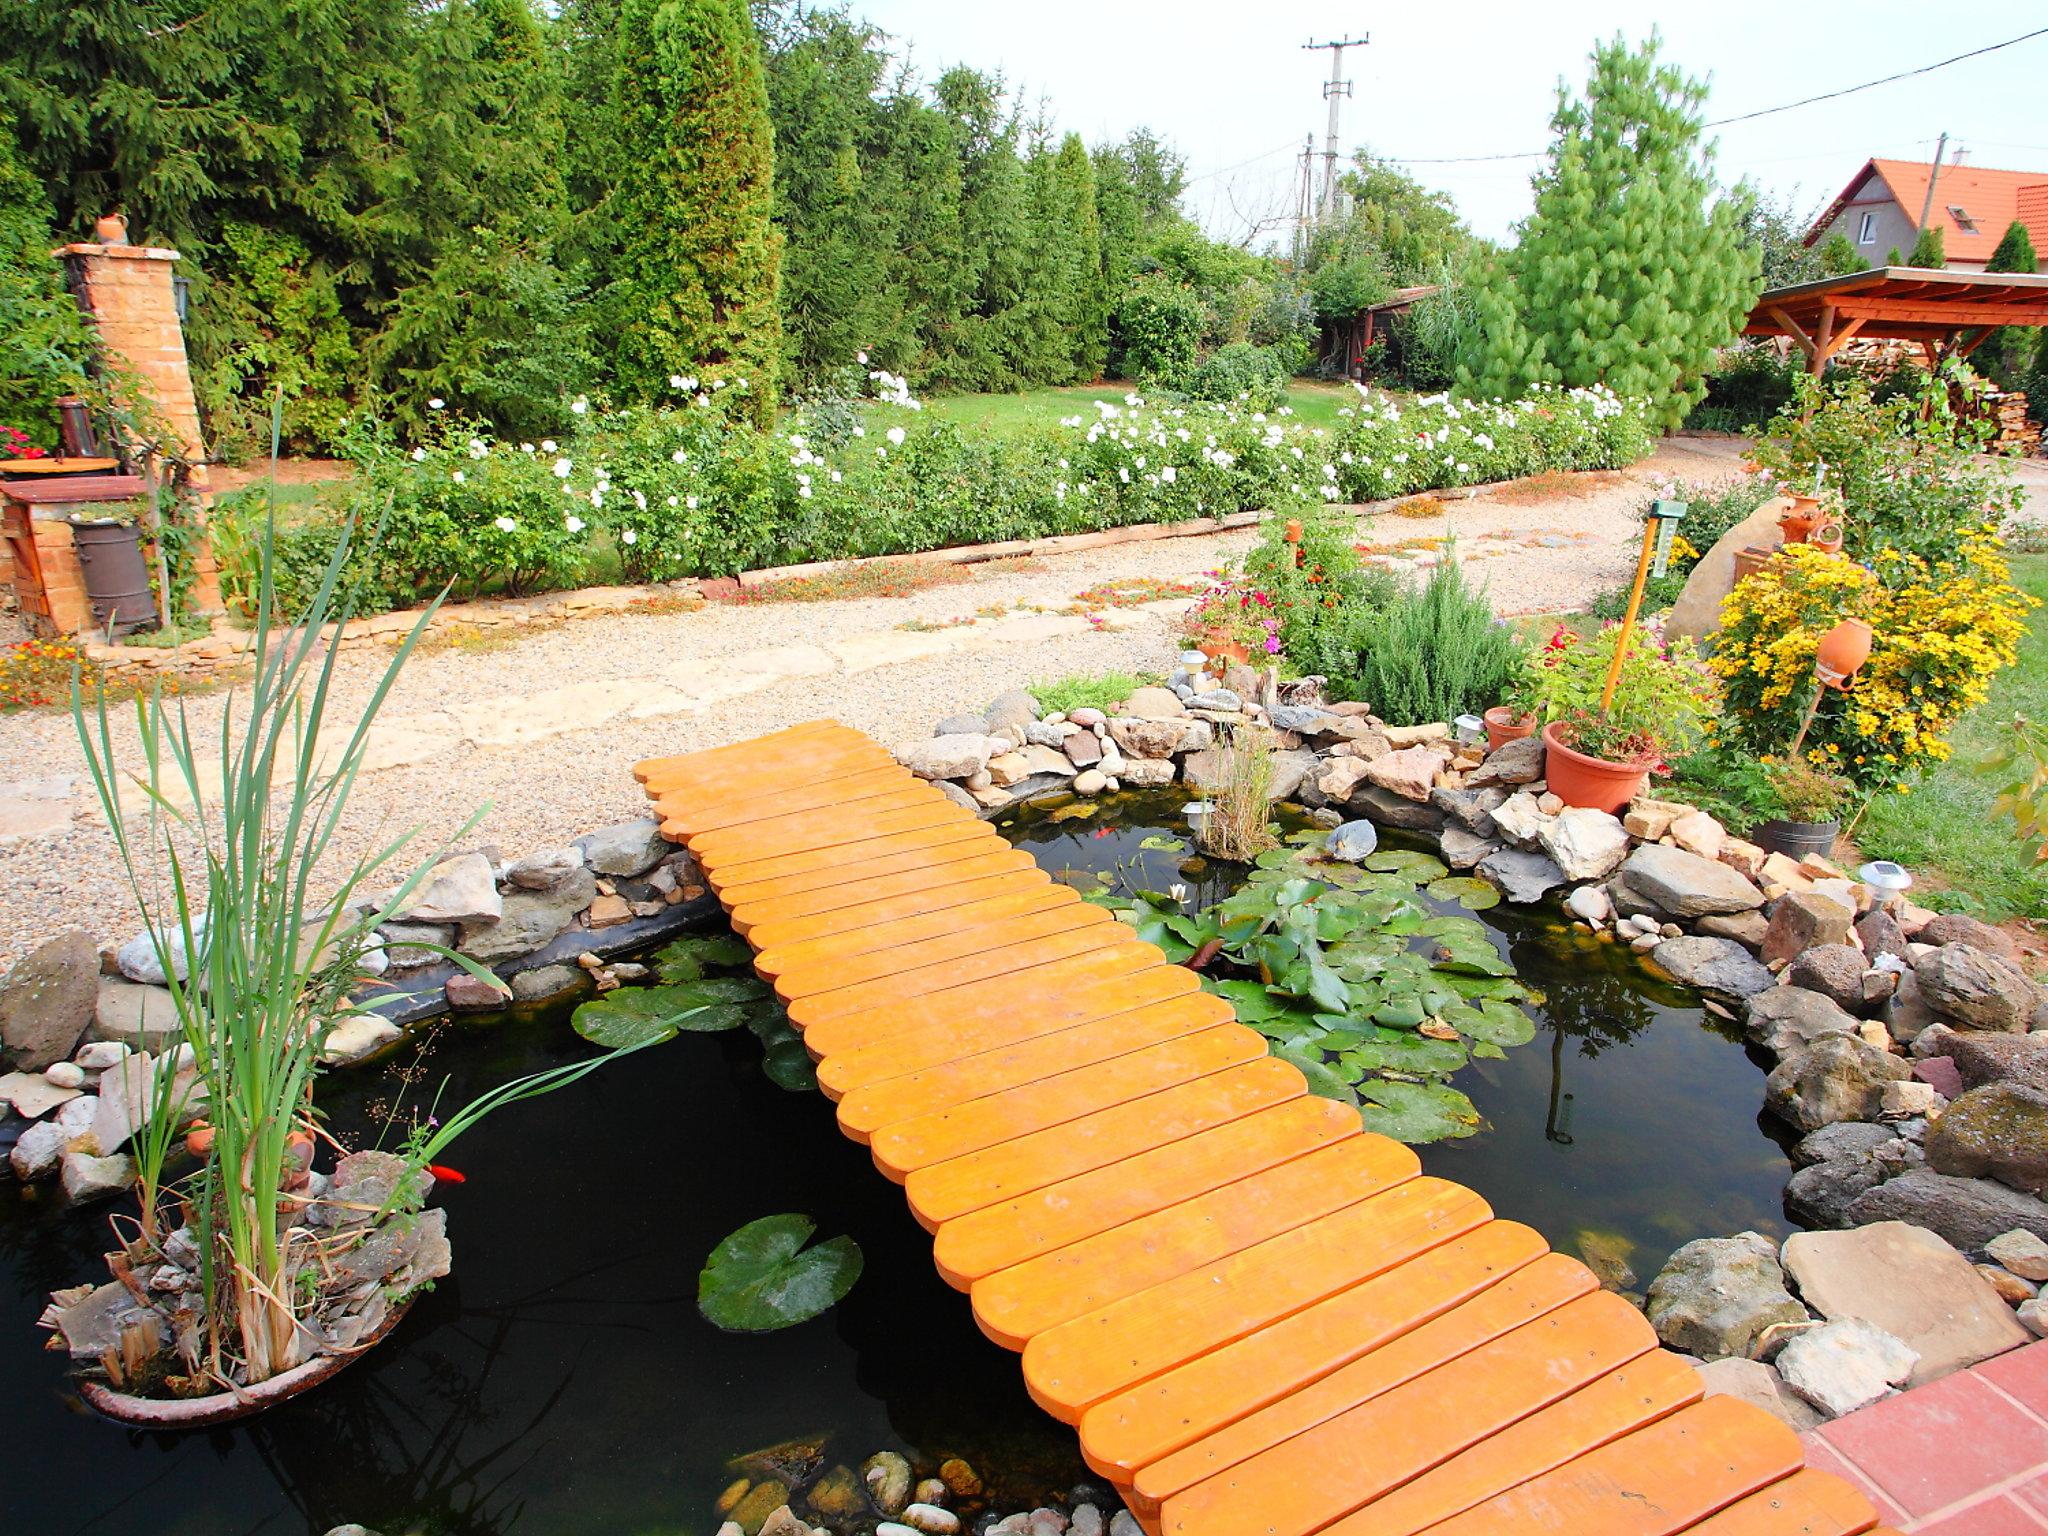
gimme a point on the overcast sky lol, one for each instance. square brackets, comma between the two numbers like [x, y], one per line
[1228, 83]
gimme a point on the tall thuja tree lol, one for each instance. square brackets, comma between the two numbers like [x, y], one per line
[1084, 313]
[2007, 356]
[934, 271]
[479, 310]
[694, 274]
[1632, 269]
[995, 231]
[1930, 250]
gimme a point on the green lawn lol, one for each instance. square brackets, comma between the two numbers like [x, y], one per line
[1313, 403]
[1946, 824]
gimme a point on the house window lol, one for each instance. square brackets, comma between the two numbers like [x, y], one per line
[1963, 221]
[1866, 230]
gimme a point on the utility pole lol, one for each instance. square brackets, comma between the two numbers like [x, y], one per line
[1304, 198]
[1933, 175]
[1335, 89]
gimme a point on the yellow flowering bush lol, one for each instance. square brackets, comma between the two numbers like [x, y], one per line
[1942, 629]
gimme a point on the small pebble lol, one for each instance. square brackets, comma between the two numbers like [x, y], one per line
[65, 1074]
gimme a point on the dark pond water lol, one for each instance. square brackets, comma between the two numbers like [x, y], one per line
[562, 1381]
[1631, 1124]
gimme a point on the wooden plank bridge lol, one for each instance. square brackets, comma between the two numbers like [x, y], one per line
[1259, 1317]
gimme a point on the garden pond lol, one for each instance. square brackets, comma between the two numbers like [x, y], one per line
[562, 1378]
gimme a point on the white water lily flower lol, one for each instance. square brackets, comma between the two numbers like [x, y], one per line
[506, 525]
[573, 523]
[629, 537]
[896, 436]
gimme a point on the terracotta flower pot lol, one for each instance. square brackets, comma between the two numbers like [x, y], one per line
[1503, 725]
[1798, 522]
[1843, 650]
[1217, 645]
[1591, 782]
[1748, 561]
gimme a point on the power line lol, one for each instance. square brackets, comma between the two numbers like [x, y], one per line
[1745, 117]
[1255, 159]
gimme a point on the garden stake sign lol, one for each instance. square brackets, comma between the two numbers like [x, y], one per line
[1659, 529]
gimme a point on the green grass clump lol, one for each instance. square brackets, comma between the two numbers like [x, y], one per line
[1091, 690]
[1944, 824]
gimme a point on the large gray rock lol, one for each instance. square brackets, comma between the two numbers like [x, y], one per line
[1802, 919]
[1011, 707]
[1465, 850]
[546, 870]
[1288, 771]
[1721, 967]
[1844, 1139]
[47, 1000]
[1585, 844]
[1391, 810]
[1835, 971]
[1718, 1295]
[1142, 737]
[1517, 762]
[139, 960]
[1522, 877]
[405, 943]
[1911, 1283]
[1839, 1078]
[1471, 809]
[1983, 1057]
[1975, 990]
[1822, 1194]
[947, 757]
[1968, 1212]
[1960, 928]
[1682, 885]
[1998, 1131]
[529, 920]
[1786, 1020]
[1410, 772]
[1352, 841]
[143, 1018]
[459, 890]
[633, 847]
[86, 1178]
[1521, 819]
[1760, 1385]
[1840, 1367]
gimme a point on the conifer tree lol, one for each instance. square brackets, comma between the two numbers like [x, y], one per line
[2014, 252]
[694, 278]
[1085, 298]
[1631, 270]
[47, 342]
[1838, 257]
[1928, 250]
[1892, 258]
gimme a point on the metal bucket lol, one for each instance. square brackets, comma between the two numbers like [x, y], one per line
[116, 578]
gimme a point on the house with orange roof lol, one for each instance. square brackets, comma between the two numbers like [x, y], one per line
[1879, 209]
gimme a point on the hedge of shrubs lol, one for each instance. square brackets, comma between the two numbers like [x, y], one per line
[693, 489]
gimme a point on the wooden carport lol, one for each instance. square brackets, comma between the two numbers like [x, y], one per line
[1948, 313]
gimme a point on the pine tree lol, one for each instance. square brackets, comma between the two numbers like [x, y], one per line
[694, 279]
[1632, 270]
[1928, 249]
[1892, 258]
[2015, 251]
[1838, 257]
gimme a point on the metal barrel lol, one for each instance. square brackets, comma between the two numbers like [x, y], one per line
[116, 577]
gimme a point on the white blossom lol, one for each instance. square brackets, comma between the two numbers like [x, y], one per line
[457, 477]
[628, 536]
[562, 468]
[896, 436]
[506, 525]
[418, 455]
[436, 404]
[579, 405]
[573, 523]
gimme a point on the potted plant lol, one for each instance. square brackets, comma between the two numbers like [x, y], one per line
[1600, 754]
[1521, 712]
[1234, 621]
[1804, 808]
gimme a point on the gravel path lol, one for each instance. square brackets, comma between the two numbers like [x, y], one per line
[544, 791]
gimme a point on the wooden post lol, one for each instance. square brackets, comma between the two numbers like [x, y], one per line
[1628, 623]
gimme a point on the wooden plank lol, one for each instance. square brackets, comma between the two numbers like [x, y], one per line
[1058, 910]
[851, 863]
[692, 814]
[1297, 1487]
[1807, 1503]
[1023, 955]
[820, 760]
[900, 1149]
[976, 1004]
[952, 1189]
[1001, 1236]
[1639, 1394]
[1019, 1303]
[867, 1110]
[705, 762]
[1658, 1481]
[1069, 1368]
[967, 1025]
[1216, 1411]
[835, 953]
[898, 894]
[2032, 310]
[917, 805]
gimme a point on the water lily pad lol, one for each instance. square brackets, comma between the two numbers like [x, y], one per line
[1471, 894]
[762, 1277]
[1492, 1021]
[783, 1057]
[638, 1015]
[1418, 1112]
[1251, 1000]
[1422, 868]
[1159, 842]
[691, 956]
[1411, 1053]
[1322, 1080]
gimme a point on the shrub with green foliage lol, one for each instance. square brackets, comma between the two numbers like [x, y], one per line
[1159, 330]
[1839, 256]
[48, 343]
[1747, 386]
[1930, 250]
[1396, 448]
[1633, 269]
[1252, 376]
[1434, 653]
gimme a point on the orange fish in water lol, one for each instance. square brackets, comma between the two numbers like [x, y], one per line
[446, 1175]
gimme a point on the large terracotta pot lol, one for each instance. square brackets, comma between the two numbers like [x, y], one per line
[1843, 650]
[1217, 645]
[1798, 522]
[1503, 725]
[1749, 560]
[1592, 782]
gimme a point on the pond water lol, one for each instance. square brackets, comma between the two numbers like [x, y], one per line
[561, 1380]
[1631, 1124]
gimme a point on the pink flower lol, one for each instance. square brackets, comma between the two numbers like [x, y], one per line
[1272, 644]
